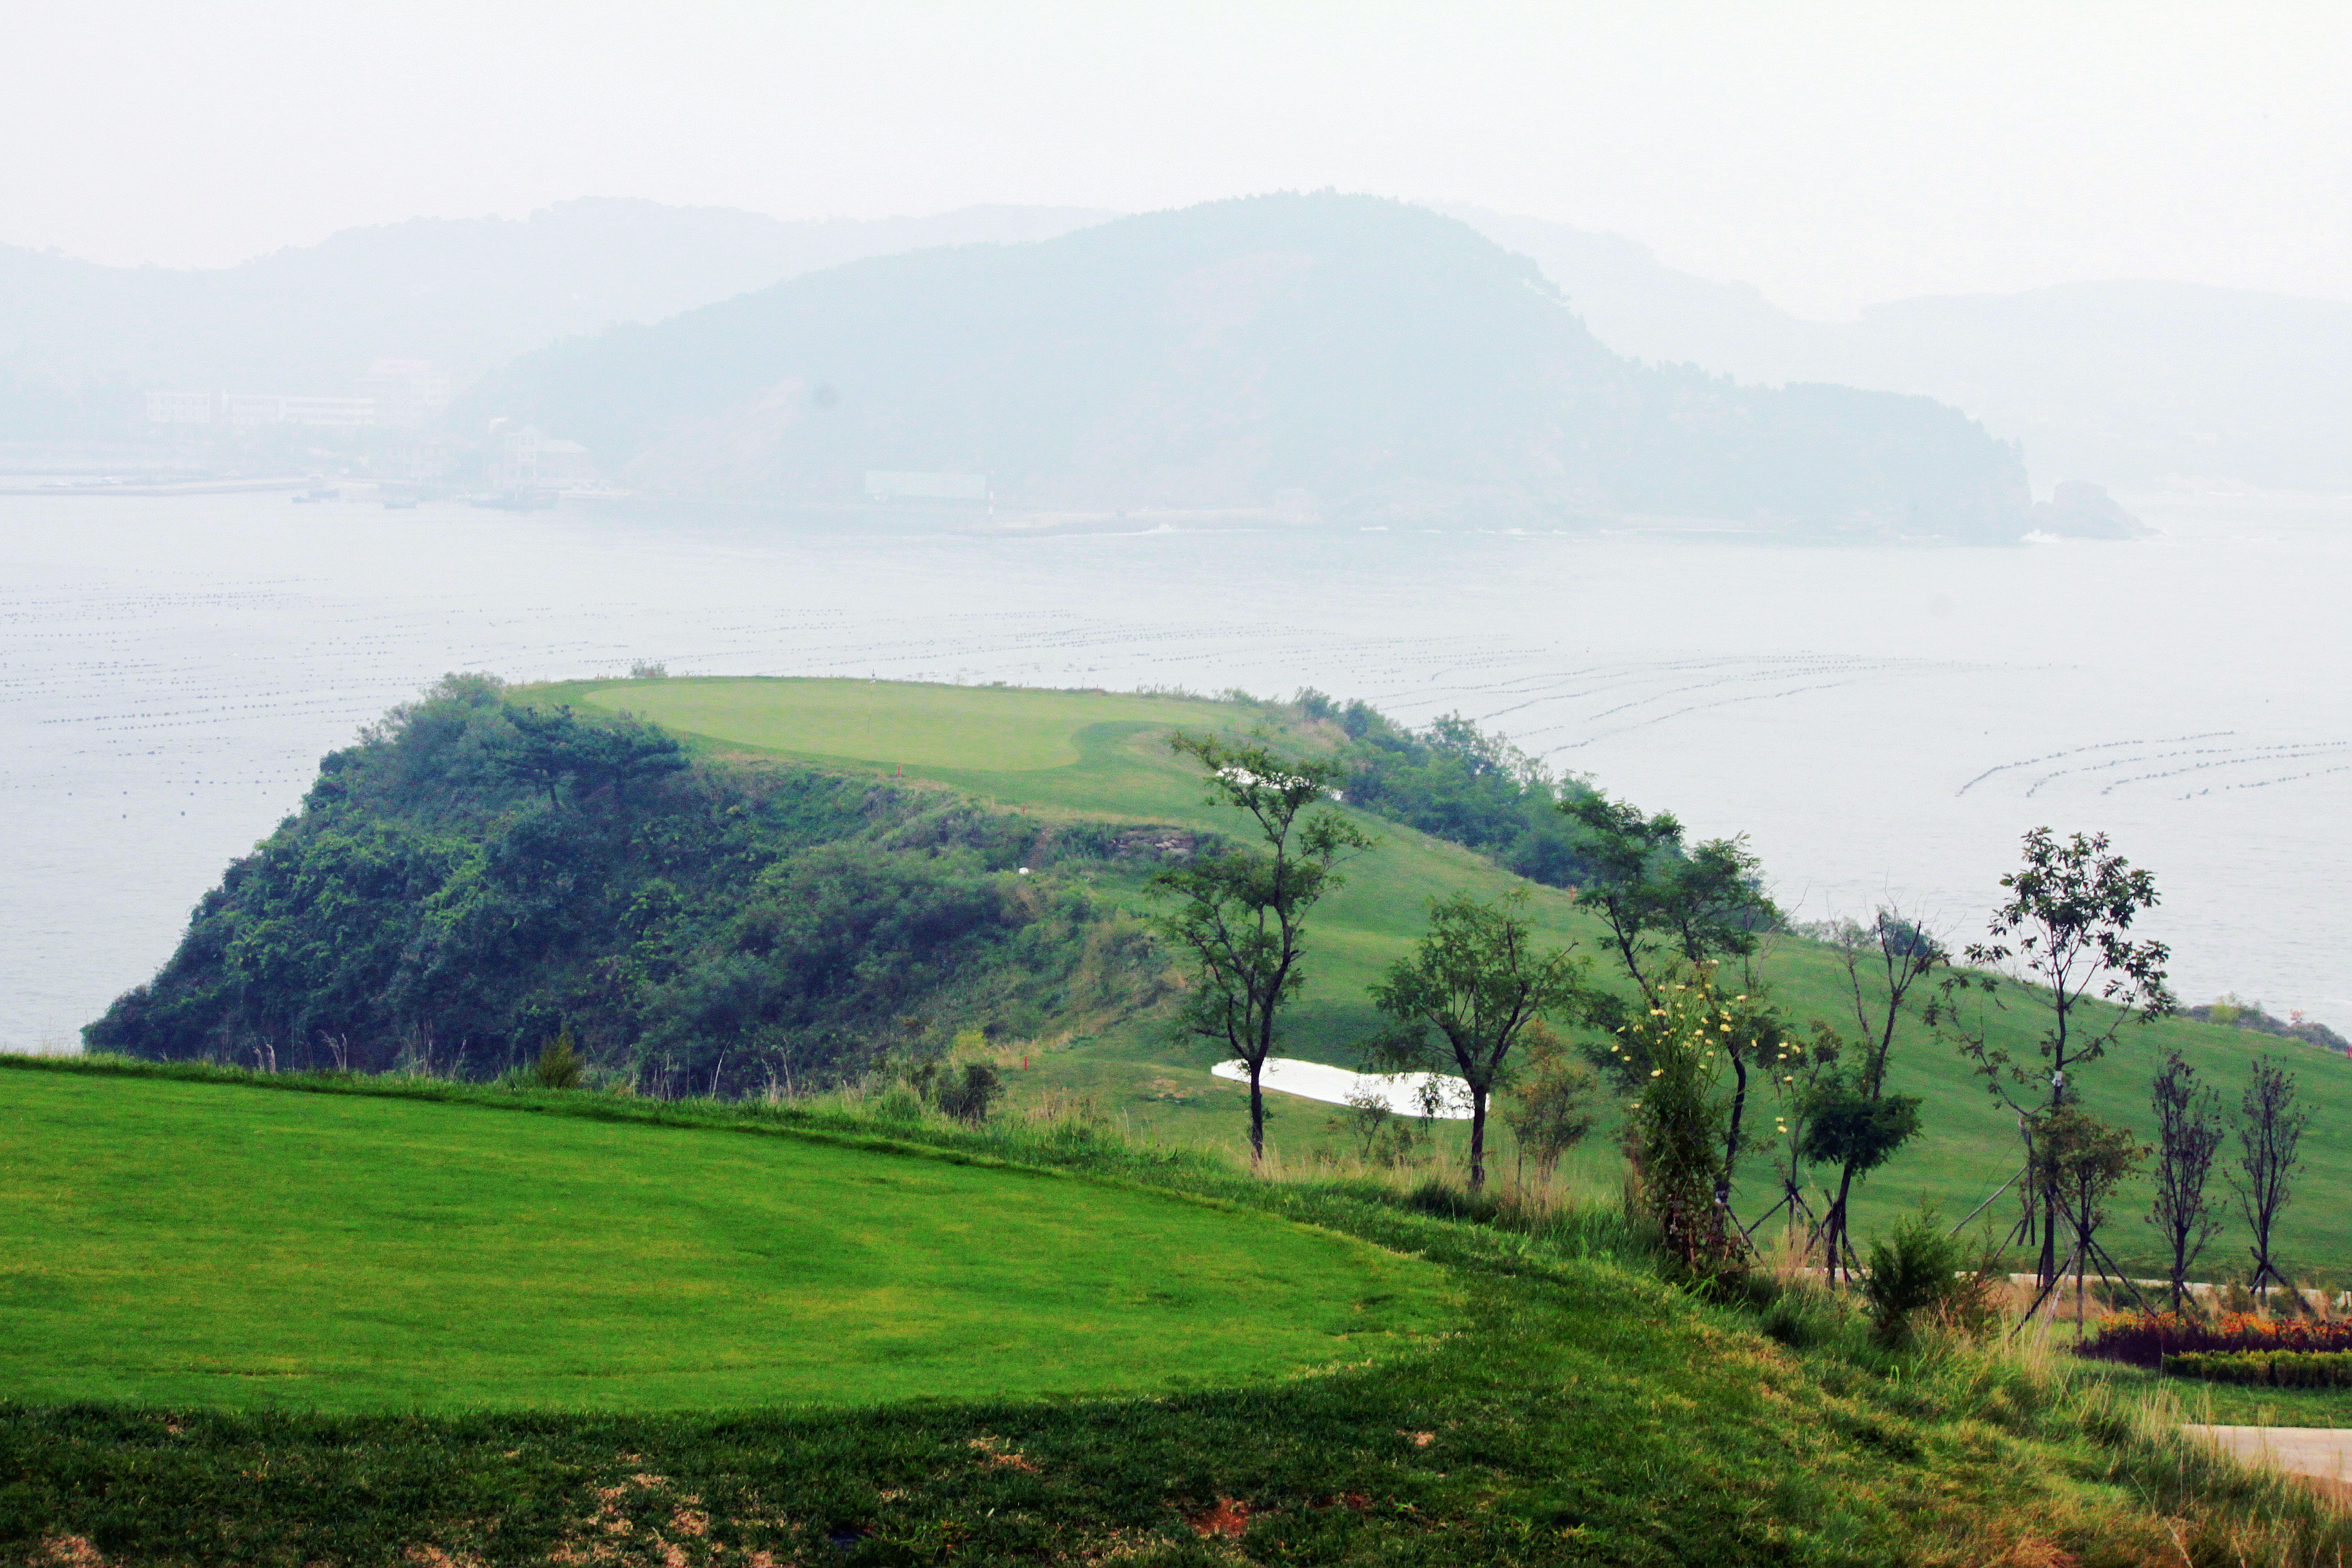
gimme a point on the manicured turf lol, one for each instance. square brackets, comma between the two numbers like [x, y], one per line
[989, 729]
[1578, 1412]
[999, 746]
[183, 1243]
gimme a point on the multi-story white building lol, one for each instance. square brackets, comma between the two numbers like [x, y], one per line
[407, 392]
[181, 409]
[401, 393]
[244, 410]
[332, 413]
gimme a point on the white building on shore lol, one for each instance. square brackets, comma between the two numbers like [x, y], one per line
[531, 460]
[400, 393]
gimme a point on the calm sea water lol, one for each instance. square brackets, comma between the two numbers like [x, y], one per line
[1882, 723]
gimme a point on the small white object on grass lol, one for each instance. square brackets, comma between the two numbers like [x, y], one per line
[1400, 1091]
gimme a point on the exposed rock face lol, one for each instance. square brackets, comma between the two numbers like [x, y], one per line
[2079, 510]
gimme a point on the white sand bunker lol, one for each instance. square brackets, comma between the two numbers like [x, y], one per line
[1407, 1093]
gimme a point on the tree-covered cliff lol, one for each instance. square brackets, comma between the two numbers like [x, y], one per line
[474, 876]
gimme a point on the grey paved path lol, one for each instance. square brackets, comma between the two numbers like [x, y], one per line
[2325, 1452]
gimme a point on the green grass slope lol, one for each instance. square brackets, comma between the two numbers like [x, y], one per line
[1097, 755]
[1578, 1411]
[189, 1243]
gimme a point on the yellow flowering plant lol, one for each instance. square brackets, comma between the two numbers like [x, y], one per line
[1683, 1054]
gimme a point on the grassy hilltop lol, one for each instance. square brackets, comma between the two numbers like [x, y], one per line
[1063, 756]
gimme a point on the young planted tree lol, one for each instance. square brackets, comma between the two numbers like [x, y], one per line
[1804, 1075]
[1475, 980]
[1240, 913]
[2079, 1161]
[1381, 1137]
[1851, 1122]
[2271, 1122]
[1855, 1133]
[2187, 1134]
[1551, 1106]
[2065, 933]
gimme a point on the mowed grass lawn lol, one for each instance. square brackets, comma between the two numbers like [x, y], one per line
[890, 723]
[178, 1244]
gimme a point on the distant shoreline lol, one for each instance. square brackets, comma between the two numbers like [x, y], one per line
[187, 488]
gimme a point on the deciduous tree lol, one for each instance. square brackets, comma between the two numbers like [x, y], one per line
[2064, 936]
[2188, 1134]
[1661, 903]
[1671, 910]
[2271, 1123]
[1550, 1107]
[1852, 1122]
[1477, 980]
[1240, 912]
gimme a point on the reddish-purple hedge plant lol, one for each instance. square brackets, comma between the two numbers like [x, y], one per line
[2145, 1340]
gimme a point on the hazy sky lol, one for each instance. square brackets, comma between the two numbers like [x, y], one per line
[1831, 154]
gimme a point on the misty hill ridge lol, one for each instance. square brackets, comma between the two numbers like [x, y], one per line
[1361, 359]
[78, 341]
[2133, 382]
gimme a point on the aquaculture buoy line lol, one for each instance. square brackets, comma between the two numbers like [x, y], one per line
[2189, 758]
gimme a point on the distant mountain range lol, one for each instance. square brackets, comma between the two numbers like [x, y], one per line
[1341, 357]
[2128, 383]
[80, 343]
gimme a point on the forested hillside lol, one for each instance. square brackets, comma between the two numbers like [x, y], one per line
[1330, 356]
[475, 876]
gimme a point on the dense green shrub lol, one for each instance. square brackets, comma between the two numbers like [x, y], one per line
[1918, 1274]
[1454, 781]
[967, 1094]
[2267, 1369]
